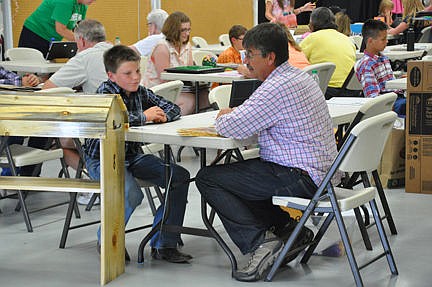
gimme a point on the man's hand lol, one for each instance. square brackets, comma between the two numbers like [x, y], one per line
[224, 111]
[30, 80]
[155, 114]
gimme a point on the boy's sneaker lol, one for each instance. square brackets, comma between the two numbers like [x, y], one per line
[261, 259]
[84, 198]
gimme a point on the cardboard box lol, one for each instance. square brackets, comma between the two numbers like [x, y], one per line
[392, 165]
[418, 174]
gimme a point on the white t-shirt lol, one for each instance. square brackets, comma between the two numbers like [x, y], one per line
[85, 69]
[146, 45]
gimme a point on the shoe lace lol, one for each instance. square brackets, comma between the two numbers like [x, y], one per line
[256, 257]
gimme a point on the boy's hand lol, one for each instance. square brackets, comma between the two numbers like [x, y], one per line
[155, 114]
[30, 80]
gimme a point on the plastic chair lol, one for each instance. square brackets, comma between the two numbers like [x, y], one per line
[357, 40]
[351, 82]
[15, 156]
[220, 96]
[169, 90]
[25, 54]
[360, 153]
[198, 56]
[325, 71]
[224, 40]
[426, 35]
[199, 42]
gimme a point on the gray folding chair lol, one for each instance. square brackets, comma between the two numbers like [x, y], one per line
[361, 153]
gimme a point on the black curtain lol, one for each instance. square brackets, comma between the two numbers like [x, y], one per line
[357, 10]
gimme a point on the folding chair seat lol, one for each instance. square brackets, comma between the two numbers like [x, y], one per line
[361, 153]
[15, 156]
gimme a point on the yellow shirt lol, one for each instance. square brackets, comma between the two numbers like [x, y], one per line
[329, 45]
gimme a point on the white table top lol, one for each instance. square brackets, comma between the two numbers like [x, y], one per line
[417, 46]
[214, 48]
[395, 55]
[397, 84]
[31, 67]
[222, 77]
[341, 112]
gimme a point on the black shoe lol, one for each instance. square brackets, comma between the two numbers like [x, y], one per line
[127, 257]
[305, 237]
[170, 254]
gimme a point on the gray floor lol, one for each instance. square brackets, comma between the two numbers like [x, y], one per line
[34, 259]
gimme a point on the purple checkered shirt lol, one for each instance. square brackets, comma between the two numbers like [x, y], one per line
[290, 115]
[9, 78]
[372, 72]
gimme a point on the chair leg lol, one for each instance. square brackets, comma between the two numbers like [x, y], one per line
[24, 210]
[384, 203]
[68, 219]
[317, 238]
[363, 230]
[92, 201]
[383, 238]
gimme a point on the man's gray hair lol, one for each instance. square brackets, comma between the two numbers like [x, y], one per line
[157, 17]
[322, 18]
[90, 30]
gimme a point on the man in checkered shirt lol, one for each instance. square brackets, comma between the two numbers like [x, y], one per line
[289, 114]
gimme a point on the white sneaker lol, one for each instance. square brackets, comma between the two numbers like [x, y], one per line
[84, 198]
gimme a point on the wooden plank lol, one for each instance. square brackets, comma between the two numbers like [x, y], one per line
[78, 100]
[49, 184]
[52, 129]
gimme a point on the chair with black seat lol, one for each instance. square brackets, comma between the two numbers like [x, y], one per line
[361, 153]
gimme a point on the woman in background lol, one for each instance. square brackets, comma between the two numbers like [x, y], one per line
[411, 7]
[283, 11]
[343, 23]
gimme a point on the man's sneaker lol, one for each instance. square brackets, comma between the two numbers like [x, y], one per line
[84, 199]
[170, 254]
[261, 259]
[303, 239]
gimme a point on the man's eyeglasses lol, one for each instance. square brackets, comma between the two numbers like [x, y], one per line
[185, 30]
[250, 55]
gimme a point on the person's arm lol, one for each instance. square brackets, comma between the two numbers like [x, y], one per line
[269, 11]
[305, 8]
[160, 58]
[170, 110]
[9, 78]
[48, 85]
[399, 29]
[368, 81]
[64, 31]
[243, 70]
[30, 80]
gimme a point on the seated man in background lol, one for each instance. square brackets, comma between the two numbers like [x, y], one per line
[373, 69]
[289, 113]
[10, 78]
[155, 21]
[86, 71]
[122, 66]
[232, 54]
[326, 44]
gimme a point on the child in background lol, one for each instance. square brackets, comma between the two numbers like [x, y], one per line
[385, 10]
[123, 68]
[374, 69]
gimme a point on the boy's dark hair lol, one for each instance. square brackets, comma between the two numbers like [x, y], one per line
[268, 37]
[371, 28]
[117, 55]
[236, 31]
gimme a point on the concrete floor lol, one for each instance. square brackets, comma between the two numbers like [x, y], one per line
[34, 259]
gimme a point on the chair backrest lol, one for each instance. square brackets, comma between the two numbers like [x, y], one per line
[25, 54]
[351, 81]
[325, 71]
[224, 40]
[364, 146]
[57, 90]
[169, 90]
[198, 56]
[221, 96]
[199, 42]
[426, 36]
[378, 105]
[357, 40]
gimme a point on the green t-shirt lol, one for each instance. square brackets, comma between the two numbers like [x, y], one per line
[42, 20]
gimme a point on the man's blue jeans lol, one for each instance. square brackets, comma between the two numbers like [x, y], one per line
[241, 194]
[151, 168]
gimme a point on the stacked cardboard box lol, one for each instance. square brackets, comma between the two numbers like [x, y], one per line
[418, 174]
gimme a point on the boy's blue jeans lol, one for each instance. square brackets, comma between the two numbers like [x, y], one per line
[151, 168]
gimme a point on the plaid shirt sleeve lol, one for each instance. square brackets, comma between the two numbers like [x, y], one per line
[9, 78]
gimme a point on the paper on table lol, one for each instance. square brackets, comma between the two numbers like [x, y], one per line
[229, 74]
[198, 132]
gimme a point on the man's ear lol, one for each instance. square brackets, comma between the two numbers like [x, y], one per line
[271, 58]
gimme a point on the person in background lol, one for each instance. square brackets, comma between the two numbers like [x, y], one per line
[283, 11]
[122, 65]
[374, 69]
[173, 51]
[84, 71]
[232, 54]
[155, 21]
[296, 56]
[385, 10]
[428, 7]
[326, 44]
[411, 8]
[343, 23]
[290, 116]
[10, 78]
[52, 20]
